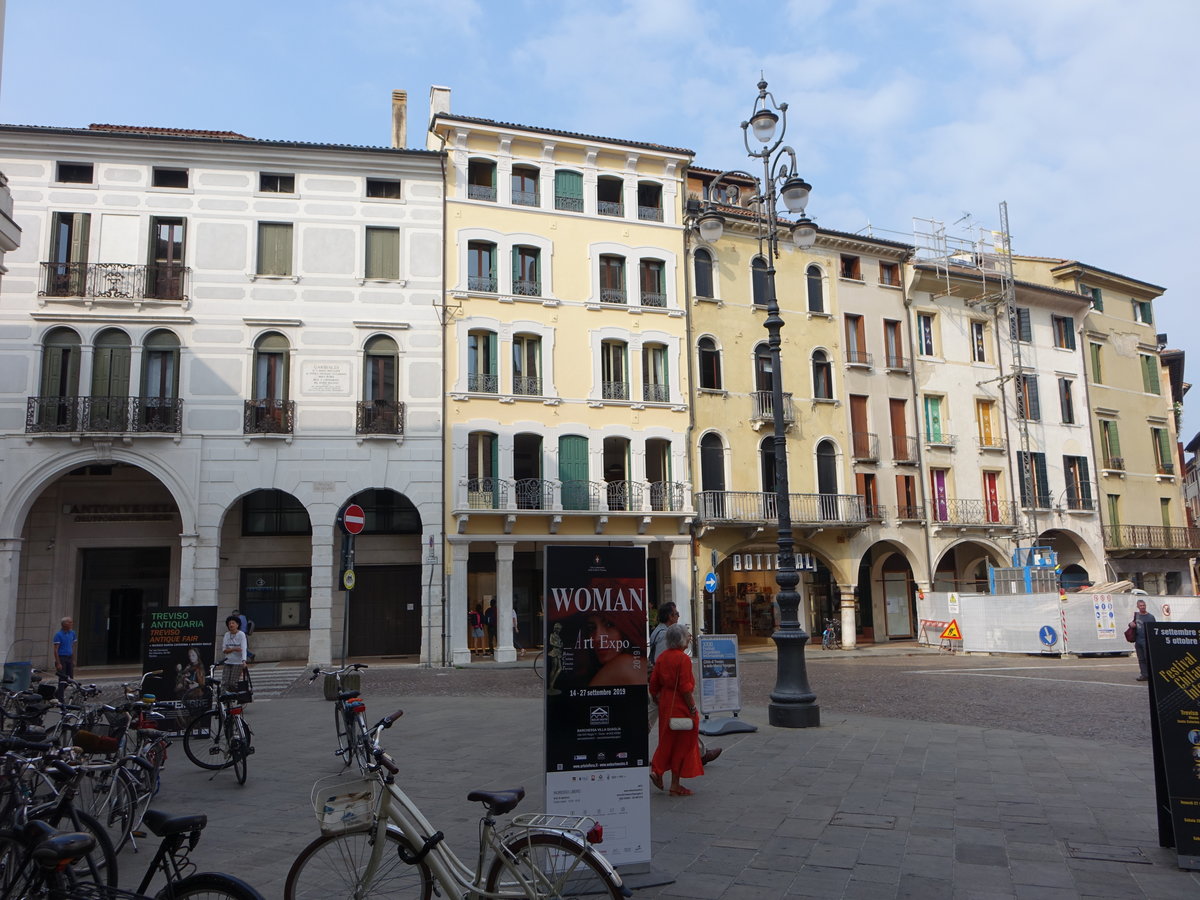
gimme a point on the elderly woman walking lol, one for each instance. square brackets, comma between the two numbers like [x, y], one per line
[671, 686]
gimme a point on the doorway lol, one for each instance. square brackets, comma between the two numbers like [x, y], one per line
[119, 586]
[385, 611]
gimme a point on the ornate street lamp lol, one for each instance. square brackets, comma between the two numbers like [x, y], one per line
[793, 704]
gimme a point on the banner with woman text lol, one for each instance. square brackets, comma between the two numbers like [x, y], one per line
[597, 734]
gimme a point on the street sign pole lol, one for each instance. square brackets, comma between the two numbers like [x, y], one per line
[351, 519]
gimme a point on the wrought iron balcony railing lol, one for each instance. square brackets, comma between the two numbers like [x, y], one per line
[1151, 537]
[855, 357]
[1080, 502]
[656, 299]
[526, 198]
[522, 288]
[569, 204]
[613, 295]
[483, 283]
[1037, 501]
[487, 493]
[806, 509]
[909, 513]
[615, 390]
[379, 417]
[543, 494]
[941, 440]
[865, 446]
[904, 450]
[116, 281]
[650, 213]
[897, 363]
[481, 192]
[623, 495]
[973, 512]
[534, 493]
[1116, 463]
[763, 409]
[656, 393]
[610, 208]
[666, 496]
[105, 415]
[527, 385]
[990, 444]
[269, 415]
[483, 383]
[582, 495]
[1166, 468]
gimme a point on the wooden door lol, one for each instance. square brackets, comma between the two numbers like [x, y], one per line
[385, 611]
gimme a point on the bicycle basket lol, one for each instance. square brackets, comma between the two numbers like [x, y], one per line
[351, 681]
[344, 805]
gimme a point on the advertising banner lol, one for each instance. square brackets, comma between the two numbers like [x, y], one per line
[181, 642]
[720, 690]
[597, 729]
[1175, 729]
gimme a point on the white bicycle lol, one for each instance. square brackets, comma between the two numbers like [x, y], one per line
[393, 851]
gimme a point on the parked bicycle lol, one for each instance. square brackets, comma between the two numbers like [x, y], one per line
[220, 737]
[394, 851]
[831, 637]
[342, 687]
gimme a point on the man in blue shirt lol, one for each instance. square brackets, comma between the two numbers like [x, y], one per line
[65, 640]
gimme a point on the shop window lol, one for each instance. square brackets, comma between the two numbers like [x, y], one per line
[276, 598]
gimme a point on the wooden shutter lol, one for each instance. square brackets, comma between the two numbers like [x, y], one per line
[569, 185]
[1019, 325]
[1040, 478]
[383, 253]
[573, 471]
[983, 421]
[933, 418]
[1068, 326]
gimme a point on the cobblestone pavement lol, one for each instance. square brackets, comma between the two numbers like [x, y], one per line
[931, 776]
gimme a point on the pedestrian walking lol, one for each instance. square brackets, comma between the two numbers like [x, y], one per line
[475, 627]
[489, 619]
[671, 685]
[65, 642]
[1140, 619]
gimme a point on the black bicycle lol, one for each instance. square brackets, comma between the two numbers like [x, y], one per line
[220, 737]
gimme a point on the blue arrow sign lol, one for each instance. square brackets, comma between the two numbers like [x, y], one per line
[1048, 636]
[710, 582]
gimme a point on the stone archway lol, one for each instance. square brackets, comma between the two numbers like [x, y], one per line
[886, 590]
[963, 566]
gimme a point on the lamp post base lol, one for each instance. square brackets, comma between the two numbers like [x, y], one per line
[793, 704]
[794, 715]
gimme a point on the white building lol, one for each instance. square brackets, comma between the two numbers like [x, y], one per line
[208, 345]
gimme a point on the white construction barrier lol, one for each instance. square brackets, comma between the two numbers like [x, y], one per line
[1040, 623]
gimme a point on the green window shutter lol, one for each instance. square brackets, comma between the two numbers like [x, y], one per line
[274, 248]
[1163, 448]
[1150, 374]
[383, 253]
[1096, 372]
[1114, 438]
[1085, 485]
[52, 369]
[1097, 299]
[933, 418]
[515, 271]
[1041, 479]
[573, 471]
[1069, 332]
[568, 185]
[491, 353]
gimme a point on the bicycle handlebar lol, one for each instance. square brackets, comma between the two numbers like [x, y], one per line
[317, 670]
[386, 761]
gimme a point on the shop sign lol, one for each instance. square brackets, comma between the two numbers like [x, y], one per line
[769, 562]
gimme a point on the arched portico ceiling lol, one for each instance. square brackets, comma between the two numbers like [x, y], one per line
[293, 516]
[388, 511]
[968, 552]
[878, 553]
[761, 550]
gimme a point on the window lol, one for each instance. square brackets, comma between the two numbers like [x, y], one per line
[856, 341]
[1143, 312]
[979, 342]
[614, 371]
[379, 412]
[907, 505]
[934, 420]
[481, 266]
[527, 365]
[270, 513]
[1032, 468]
[1164, 508]
[654, 288]
[864, 482]
[816, 298]
[1114, 513]
[74, 173]
[483, 464]
[276, 598]
[925, 335]
[893, 346]
[169, 178]
[165, 273]
[269, 411]
[525, 186]
[1066, 400]
[160, 366]
[1019, 327]
[383, 254]
[526, 271]
[481, 180]
[568, 191]
[850, 267]
[108, 409]
[655, 383]
[1163, 461]
[889, 274]
[1064, 332]
[384, 188]
[1149, 373]
[1097, 370]
[481, 362]
[1110, 445]
[274, 248]
[822, 374]
[612, 279]
[387, 512]
[1028, 405]
[709, 364]
[939, 494]
[758, 281]
[610, 196]
[1079, 488]
[66, 275]
[59, 381]
[703, 263]
[985, 423]
[1096, 296]
[272, 183]
[650, 201]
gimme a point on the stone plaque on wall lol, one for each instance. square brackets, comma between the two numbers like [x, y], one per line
[318, 377]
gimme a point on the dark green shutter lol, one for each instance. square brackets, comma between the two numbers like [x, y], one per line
[573, 471]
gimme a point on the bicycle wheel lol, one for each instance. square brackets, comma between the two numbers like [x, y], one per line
[555, 866]
[111, 800]
[209, 886]
[360, 747]
[339, 723]
[208, 751]
[330, 867]
[239, 746]
[538, 664]
[16, 879]
[100, 865]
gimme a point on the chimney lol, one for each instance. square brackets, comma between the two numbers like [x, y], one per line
[400, 119]
[439, 100]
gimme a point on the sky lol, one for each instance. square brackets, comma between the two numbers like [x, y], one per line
[1082, 115]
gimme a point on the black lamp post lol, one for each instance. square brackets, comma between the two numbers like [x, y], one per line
[793, 704]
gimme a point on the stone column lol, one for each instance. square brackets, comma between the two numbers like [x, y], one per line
[456, 585]
[10, 564]
[206, 568]
[324, 634]
[681, 584]
[505, 652]
[849, 605]
[187, 569]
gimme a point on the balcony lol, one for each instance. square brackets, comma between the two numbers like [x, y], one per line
[1039, 501]
[979, 513]
[526, 198]
[939, 440]
[909, 513]
[1115, 463]
[904, 450]
[875, 512]
[656, 393]
[650, 213]
[104, 415]
[864, 446]
[859, 359]
[897, 363]
[481, 192]
[527, 385]
[610, 208]
[1150, 540]
[614, 390]
[487, 493]
[760, 507]
[1166, 468]
[379, 417]
[269, 415]
[990, 444]
[483, 383]
[666, 496]
[116, 281]
[613, 295]
[656, 299]
[623, 495]
[523, 288]
[763, 409]
[533, 493]
[568, 204]
[548, 495]
[484, 284]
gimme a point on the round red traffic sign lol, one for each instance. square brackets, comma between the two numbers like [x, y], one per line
[353, 519]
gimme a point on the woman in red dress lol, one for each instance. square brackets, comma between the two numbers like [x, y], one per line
[671, 686]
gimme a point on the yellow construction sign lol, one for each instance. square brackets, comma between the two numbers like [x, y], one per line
[951, 632]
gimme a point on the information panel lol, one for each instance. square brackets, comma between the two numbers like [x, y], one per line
[597, 730]
[1175, 726]
[720, 689]
[181, 642]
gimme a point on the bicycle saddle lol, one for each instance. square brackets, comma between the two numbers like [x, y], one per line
[163, 824]
[498, 802]
[71, 845]
[347, 695]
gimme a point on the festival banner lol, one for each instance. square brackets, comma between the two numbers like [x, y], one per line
[597, 730]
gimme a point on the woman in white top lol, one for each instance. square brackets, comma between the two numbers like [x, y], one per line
[234, 648]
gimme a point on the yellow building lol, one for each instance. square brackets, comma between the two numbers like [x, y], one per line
[566, 375]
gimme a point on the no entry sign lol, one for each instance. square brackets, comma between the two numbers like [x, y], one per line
[353, 519]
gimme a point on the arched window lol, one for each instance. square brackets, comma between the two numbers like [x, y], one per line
[709, 364]
[481, 266]
[529, 489]
[758, 280]
[822, 374]
[158, 407]
[766, 463]
[568, 190]
[269, 410]
[712, 476]
[816, 297]
[57, 408]
[483, 487]
[763, 367]
[481, 362]
[481, 180]
[525, 186]
[379, 411]
[108, 405]
[827, 479]
[703, 262]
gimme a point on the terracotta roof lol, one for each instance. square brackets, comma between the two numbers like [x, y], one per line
[451, 117]
[175, 132]
[1070, 263]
